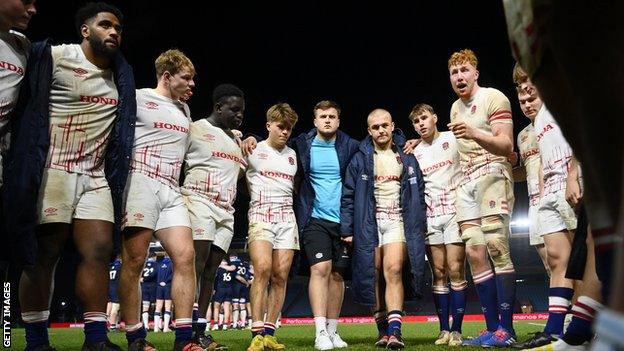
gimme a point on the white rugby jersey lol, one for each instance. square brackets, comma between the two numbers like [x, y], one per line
[388, 168]
[555, 151]
[271, 178]
[160, 137]
[14, 49]
[83, 106]
[488, 106]
[530, 156]
[213, 162]
[439, 163]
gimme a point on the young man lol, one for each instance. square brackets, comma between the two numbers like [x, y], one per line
[438, 158]
[69, 159]
[163, 295]
[14, 47]
[273, 236]
[224, 292]
[383, 215]
[112, 308]
[213, 164]
[481, 121]
[323, 155]
[530, 166]
[561, 191]
[148, 288]
[154, 206]
[240, 283]
[581, 88]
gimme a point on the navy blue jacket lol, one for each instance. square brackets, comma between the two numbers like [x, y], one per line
[165, 271]
[346, 147]
[357, 217]
[30, 141]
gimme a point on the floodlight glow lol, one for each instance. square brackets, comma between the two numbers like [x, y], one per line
[520, 222]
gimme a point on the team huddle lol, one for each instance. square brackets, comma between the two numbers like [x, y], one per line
[89, 154]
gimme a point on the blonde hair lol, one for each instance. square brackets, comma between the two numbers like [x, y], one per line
[173, 61]
[419, 109]
[282, 113]
[519, 75]
[465, 55]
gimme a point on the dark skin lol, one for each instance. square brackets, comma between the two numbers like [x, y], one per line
[227, 114]
[93, 238]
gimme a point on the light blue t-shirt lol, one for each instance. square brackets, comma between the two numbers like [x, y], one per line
[326, 181]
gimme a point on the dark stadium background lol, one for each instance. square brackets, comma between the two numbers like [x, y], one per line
[364, 55]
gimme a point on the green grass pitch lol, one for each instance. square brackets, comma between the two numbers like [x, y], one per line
[418, 336]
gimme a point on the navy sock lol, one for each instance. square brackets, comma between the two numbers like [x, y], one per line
[201, 325]
[394, 322]
[269, 328]
[36, 327]
[486, 289]
[183, 329]
[381, 319]
[135, 332]
[458, 303]
[95, 327]
[195, 313]
[558, 304]
[257, 328]
[506, 293]
[583, 313]
[441, 302]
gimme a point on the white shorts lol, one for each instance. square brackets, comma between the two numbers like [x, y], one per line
[209, 221]
[555, 214]
[64, 196]
[151, 204]
[390, 231]
[534, 232]
[283, 235]
[443, 230]
[487, 195]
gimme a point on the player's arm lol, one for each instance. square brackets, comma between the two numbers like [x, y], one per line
[573, 186]
[499, 143]
[241, 279]
[347, 200]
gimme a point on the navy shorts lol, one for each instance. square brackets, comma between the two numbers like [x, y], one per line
[223, 295]
[163, 292]
[239, 293]
[148, 292]
[112, 293]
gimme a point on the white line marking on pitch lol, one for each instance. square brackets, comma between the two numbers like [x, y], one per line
[539, 324]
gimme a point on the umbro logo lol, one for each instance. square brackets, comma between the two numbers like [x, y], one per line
[80, 72]
[151, 105]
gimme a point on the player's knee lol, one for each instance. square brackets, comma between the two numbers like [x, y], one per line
[184, 259]
[262, 269]
[456, 271]
[321, 269]
[278, 280]
[496, 231]
[392, 270]
[438, 270]
[134, 260]
[338, 275]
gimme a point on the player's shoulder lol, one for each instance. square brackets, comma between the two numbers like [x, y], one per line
[67, 51]
[22, 42]
[489, 93]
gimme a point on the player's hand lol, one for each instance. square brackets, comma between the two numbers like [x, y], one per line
[462, 131]
[348, 239]
[162, 284]
[248, 145]
[141, 280]
[513, 158]
[410, 145]
[573, 192]
[237, 133]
